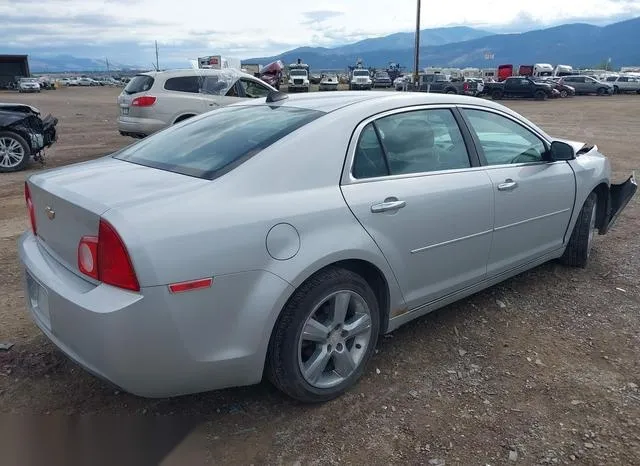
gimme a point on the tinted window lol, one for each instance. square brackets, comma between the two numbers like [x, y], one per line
[611, 78]
[369, 159]
[253, 89]
[183, 84]
[504, 141]
[422, 141]
[140, 83]
[212, 144]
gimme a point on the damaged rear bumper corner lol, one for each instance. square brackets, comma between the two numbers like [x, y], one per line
[619, 197]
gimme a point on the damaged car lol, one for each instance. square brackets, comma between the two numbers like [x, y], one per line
[24, 135]
[284, 236]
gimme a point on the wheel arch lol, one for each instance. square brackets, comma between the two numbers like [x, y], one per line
[184, 116]
[372, 273]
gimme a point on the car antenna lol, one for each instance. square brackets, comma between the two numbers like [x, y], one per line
[276, 96]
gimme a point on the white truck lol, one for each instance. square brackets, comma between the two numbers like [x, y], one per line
[298, 77]
[218, 62]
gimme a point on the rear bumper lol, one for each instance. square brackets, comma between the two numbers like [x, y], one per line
[154, 343]
[139, 126]
[619, 197]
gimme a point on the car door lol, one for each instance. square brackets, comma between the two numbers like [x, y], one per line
[182, 97]
[419, 192]
[253, 89]
[579, 83]
[533, 198]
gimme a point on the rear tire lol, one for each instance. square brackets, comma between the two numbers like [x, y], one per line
[497, 94]
[579, 247]
[540, 95]
[332, 338]
[17, 155]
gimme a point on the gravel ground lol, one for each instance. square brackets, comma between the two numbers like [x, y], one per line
[541, 369]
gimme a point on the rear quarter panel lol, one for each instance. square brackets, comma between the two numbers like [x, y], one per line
[222, 228]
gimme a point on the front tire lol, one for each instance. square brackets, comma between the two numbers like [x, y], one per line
[579, 246]
[497, 94]
[602, 91]
[564, 94]
[540, 95]
[324, 337]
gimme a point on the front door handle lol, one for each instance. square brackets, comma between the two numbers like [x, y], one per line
[508, 185]
[390, 203]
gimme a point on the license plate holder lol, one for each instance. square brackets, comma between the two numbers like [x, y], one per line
[124, 110]
[38, 300]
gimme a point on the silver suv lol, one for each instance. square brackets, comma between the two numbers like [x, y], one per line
[155, 100]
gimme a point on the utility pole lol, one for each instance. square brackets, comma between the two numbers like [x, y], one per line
[416, 62]
[157, 62]
[107, 60]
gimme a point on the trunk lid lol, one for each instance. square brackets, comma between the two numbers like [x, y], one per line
[69, 202]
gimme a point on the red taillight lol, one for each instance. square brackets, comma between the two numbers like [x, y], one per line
[30, 208]
[144, 101]
[106, 258]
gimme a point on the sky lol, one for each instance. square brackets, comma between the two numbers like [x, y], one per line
[125, 30]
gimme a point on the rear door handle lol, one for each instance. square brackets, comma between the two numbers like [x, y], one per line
[390, 203]
[508, 185]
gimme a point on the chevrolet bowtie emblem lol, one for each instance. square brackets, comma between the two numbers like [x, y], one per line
[50, 212]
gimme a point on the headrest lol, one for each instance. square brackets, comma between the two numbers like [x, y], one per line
[410, 135]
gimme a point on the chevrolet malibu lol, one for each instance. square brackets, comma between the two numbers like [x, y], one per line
[284, 236]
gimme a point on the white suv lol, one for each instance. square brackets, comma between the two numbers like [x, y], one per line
[158, 99]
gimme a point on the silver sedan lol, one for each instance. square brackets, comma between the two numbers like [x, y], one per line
[288, 233]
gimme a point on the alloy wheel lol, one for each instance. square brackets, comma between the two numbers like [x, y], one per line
[11, 152]
[334, 339]
[592, 229]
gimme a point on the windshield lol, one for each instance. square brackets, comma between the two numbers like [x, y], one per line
[213, 144]
[361, 73]
[298, 73]
[139, 83]
[28, 80]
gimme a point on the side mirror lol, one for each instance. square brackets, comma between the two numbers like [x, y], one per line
[561, 151]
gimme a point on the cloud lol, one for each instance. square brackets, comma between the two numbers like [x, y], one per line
[191, 28]
[320, 16]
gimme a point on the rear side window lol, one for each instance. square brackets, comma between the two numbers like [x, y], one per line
[211, 145]
[139, 83]
[189, 84]
[413, 142]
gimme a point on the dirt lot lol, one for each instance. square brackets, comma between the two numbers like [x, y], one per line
[543, 368]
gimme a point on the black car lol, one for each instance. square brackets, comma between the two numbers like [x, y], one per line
[23, 135]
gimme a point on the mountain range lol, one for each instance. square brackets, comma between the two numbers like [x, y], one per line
[579, 44]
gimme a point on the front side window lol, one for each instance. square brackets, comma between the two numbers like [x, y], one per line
[410, 143]
[504, 141]
[253, 89]
[212, 144]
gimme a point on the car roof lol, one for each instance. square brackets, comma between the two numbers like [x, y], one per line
[196, 71]
[329, 103]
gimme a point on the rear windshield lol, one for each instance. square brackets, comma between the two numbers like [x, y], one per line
[215, 143]
[139, 83]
